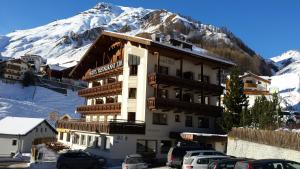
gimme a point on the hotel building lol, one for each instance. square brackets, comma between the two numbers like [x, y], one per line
[143, 95]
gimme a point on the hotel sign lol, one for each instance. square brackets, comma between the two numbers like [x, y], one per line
[107, 67]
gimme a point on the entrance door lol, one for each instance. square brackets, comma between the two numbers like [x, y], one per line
[131, 117]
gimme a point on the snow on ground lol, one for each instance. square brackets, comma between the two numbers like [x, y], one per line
[287, 86]
[36, 101]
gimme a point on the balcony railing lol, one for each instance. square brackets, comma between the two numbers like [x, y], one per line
[168, 80]
[13, 67]
[100, 108]
[197, 108]
[250, 85]
[111, 127]
[103, 71]
[112, 88]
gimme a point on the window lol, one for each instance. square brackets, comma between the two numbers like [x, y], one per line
[177, 118]
[205, 78]
[132, 93]
[249, 81]
[146, 146]
[97, 142]
[189, 121]
[165, 145]
[107, 143]
[133, 62]
[177, 93]
[36, 130]
[206, 99]
[14, 142]
[178, 73]
[162, 70]
[99, 101]
[203, 122]
[163, 93]
[160, 118]
[45, 130]
[41, 130]
[76, 139]
[188, 75]
[131, 116]
[61, 135]
[188, 97]
[68, 137]
[82, 140]
[89, 141]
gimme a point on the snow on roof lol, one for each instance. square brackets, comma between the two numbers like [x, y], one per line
[18, 125]
[56, 67]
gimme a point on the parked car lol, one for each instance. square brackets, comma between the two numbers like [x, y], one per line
[201, 161]
[267, 164]
[134, 161]
[176, 154]
[225, 163]
[79, 160]
[201, 152]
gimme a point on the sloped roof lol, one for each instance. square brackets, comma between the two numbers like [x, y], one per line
[262, 78]
[20, 125]
[107, 35]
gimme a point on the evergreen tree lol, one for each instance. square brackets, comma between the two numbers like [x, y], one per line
[265, 112]
[28, 79]
[235, 102]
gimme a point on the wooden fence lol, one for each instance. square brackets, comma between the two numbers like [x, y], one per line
[283, 139]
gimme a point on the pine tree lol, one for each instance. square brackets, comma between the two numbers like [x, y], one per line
[28, 79]
[235, 102]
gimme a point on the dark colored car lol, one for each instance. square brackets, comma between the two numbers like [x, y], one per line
[225, 164]
[176, 154]
[267, 164]
[79, 160]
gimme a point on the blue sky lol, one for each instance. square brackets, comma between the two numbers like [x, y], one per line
[270, 27]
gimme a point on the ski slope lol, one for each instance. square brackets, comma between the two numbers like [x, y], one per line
[36, 101]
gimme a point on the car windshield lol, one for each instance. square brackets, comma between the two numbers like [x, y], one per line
[134, 160]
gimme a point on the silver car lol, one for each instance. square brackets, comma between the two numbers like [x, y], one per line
[201, 152]
[134, 161]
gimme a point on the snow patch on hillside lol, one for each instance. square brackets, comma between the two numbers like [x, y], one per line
[36, 101]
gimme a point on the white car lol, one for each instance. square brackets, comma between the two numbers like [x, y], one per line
[201, 152]
[134, 161]
[201, 161]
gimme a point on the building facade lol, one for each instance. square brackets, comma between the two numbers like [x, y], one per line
[256, 86]
[14, 69]
[141, 95]
[18, 133]
[35, 61]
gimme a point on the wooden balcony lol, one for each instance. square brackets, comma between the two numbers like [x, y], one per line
[104, 71]
[250, 85]
[108, 89]
[256, 92]
[13, 67]
[208, 89]
[197, 108]
[100, 108]
[111, 127]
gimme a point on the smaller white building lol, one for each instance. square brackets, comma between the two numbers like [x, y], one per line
[35, 61]
[18, 133]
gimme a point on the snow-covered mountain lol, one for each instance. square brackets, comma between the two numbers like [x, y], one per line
[288, 62]
[65, 41]
[287, 78]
